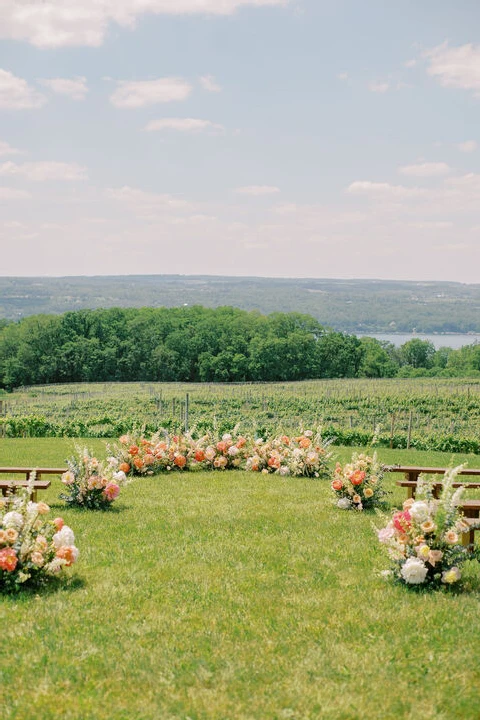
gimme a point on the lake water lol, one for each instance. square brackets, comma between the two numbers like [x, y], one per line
[447, 340]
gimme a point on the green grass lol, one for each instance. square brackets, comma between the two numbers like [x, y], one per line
[225, 596]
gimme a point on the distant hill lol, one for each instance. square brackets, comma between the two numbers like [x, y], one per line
[346, 305]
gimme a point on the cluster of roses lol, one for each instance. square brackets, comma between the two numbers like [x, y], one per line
[91, 483]
[358, 484]
[423, 540]
[306, 454]
[32, 548]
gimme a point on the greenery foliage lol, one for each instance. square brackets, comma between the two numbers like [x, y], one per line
[196, 344]
[421, 413]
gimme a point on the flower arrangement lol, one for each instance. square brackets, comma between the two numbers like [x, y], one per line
[358, 484]
[306, 454]
[32, 547]
[423, 540]
[138, 456]
[90, 483]
[227, 453]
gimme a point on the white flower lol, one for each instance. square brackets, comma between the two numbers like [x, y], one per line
[226, 437]
[64, 537]
[386, 533]
[119, 476]
[13, 520]
[419, 511]
[233, 450]
[344, 503]
[112, 461]
[414, 571]
[284, 470]
[308, 433]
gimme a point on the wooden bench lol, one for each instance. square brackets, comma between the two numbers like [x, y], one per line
[11, 485]
[470, 508]
[412, 473]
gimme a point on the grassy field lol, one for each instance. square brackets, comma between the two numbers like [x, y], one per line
[225, 596]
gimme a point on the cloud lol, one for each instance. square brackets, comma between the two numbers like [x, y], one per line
[75, 88]
[16, 93]
[6, 149]
[134, 197]
[468, 146]
[383, 190]
[379, 87]
[60, 23]
[410, 63]
[432, 169]
[43, 171]
[342, 76]
[209, 83]
[432, 225]
[13, 194]
[191, 125]
[457, 67]
[131, 94]
[258, 190]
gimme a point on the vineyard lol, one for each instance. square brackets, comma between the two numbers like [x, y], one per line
[433, 414]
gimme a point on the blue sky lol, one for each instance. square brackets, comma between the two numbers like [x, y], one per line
[279, 138]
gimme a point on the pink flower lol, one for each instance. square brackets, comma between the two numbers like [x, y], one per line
[111, 491]
[402, 521]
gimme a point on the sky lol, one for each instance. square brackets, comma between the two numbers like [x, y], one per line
[269, 138]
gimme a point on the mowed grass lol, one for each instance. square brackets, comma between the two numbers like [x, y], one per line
[224, 596]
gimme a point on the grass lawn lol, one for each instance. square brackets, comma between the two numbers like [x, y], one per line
[225, 596]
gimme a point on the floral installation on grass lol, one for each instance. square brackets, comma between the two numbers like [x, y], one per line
[91, 483]
[227, 453]
[303, 455]
[423, 540]
[33, 548]
[358, 485]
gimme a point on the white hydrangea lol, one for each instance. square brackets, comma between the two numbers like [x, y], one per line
[419, 511]
[414, 571]
[13, 519]
[119, 477]
[64, 537]
[344, 503]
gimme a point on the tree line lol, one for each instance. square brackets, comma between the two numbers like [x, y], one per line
[198, 344]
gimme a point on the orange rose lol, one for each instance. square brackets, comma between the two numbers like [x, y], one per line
[149, 459]
[138, 462]
[199, 455]
[337, 485]
[125, 467]
[66, 553]
[357, 477]
[58, 522]
[304, 442]
[180, 461]
[133, 450]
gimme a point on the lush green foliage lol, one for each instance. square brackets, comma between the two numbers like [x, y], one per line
[232, 596]
[441, 414]
[195, 344]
